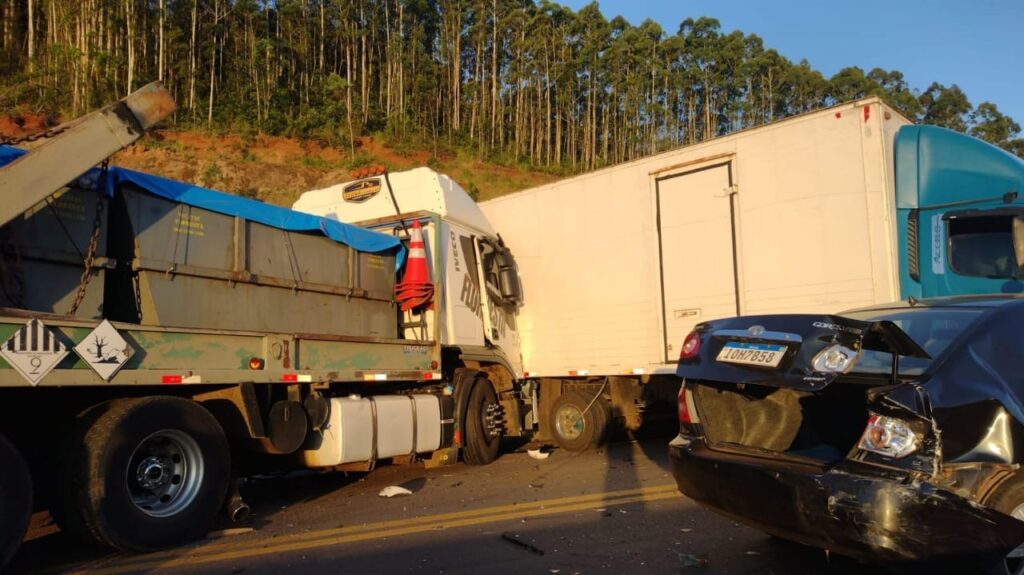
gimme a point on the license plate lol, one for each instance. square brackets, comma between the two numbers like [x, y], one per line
[759, 354]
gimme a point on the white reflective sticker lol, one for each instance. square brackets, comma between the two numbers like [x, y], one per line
[938, 246]
[104, 350]
[33, 351]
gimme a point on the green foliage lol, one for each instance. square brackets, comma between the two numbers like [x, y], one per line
[946, 107]
[211, 175]
[361, 160]
[526, 82]
[316, 162]
[991, 125]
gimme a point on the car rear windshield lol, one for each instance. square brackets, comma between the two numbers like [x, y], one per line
[932, 328]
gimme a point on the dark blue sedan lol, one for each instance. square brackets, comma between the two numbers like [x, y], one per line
[890, 434]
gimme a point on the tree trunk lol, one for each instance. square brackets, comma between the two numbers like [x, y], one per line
[31, 35]
[160, 40]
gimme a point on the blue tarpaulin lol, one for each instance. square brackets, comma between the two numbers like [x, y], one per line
[223, 203]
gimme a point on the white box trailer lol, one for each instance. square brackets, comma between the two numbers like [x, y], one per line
[618, 265]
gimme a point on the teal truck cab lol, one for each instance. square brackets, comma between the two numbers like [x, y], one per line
[960, 215]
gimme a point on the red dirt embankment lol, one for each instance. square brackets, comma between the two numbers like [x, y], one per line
[276, 170]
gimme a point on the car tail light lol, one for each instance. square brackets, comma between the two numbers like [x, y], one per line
[889, 436]
[687, 411]
[835, 359]
[691, 346]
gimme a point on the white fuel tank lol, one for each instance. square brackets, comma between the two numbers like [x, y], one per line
[400, 424]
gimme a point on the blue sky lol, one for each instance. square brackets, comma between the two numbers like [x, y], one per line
[976, 44]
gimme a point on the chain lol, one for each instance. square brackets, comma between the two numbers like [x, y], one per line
[15, 293]
[137, 284]
[36, 136]
[90, 255]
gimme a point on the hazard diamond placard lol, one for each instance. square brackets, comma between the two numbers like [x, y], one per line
[33, 351]
[104, 350]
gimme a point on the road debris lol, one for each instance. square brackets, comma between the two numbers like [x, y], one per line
[539, 453]
[394, 490]
[699, 560]
[514, 539]
[229, 532]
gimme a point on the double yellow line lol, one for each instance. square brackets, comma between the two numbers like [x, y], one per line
[314, 539]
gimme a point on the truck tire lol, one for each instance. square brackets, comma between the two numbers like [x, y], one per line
[576, 427]
[15, 500]
[145, 474]
[481, 444]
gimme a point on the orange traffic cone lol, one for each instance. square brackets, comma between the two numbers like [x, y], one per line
[415, 289]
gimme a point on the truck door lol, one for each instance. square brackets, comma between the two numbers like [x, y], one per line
[697, 247]
[971, 251]
[499, 316]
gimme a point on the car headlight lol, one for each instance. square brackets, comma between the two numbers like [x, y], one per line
[889, 436]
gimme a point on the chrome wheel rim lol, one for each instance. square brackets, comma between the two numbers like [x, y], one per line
[569, 422]
[165, 473]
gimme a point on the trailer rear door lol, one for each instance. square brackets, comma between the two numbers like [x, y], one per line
[696, 236]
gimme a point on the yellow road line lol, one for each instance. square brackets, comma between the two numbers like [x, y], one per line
[393, 528]
[430, 519]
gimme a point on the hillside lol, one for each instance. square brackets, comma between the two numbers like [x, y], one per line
[277, 169]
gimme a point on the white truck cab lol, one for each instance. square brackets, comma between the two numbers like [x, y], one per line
[478, 291]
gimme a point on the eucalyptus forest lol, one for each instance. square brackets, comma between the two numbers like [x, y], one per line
[514, 81]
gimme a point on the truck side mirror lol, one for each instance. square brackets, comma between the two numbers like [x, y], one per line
[508, 278]
[1018, 240]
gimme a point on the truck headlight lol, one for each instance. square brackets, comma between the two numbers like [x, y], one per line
[889, 436]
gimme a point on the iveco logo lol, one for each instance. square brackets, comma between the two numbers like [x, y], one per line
[755, 330]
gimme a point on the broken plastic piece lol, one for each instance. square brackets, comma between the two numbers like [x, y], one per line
[691, 560]
[538, 453]
[394, 490]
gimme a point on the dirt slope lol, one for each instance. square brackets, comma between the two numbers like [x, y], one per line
[276, 170]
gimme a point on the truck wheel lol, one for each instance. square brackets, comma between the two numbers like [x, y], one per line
[15, 500]
[576, 427]
[483, 434]
[146, 474]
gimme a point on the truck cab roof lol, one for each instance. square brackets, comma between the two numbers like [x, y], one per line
[373, 197]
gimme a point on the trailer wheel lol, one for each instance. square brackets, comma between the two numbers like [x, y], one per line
[482, 431]
[146, 474]
[580, 422]
[15, 500]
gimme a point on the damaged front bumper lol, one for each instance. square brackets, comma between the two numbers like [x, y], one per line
[870, 517]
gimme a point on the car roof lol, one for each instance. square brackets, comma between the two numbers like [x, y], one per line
[962, 301]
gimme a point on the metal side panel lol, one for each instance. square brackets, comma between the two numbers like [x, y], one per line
[165, 356]
[43, 251]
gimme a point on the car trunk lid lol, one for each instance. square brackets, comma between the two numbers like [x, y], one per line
[786, 351]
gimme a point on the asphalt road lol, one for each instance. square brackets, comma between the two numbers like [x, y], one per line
[613, 510]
